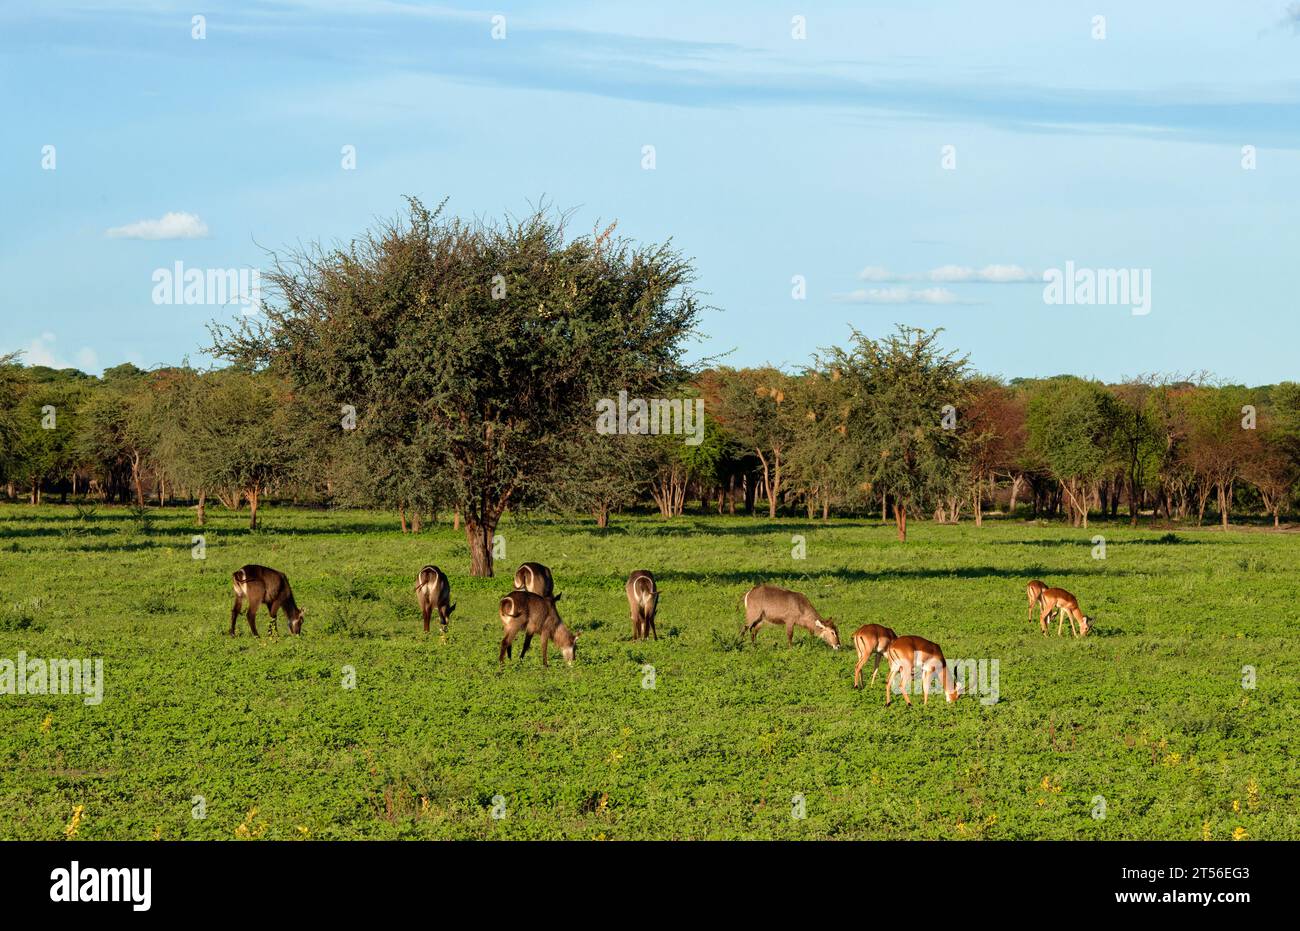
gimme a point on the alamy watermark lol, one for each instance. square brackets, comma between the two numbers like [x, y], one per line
[674, 416]
[55, 676]
[209, 286]
[971, 677]
[1124, 287]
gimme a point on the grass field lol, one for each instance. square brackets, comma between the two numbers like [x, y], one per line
[1149, 712]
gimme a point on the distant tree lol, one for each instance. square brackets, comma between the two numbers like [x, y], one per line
[1070, 424]
[992, 432]
[905, 393]
[755, 413]
[822, 461]
[1136, 438]
[498, 339]
[1219, 444]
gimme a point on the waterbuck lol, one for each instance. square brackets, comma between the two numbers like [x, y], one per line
[257, 586]
[534, 614]
[642, 602]
[781, 606]
[432, 590]
[536, 578]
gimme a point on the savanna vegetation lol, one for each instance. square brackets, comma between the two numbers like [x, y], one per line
[428, 393]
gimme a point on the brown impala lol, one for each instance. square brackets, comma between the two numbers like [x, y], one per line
[1034, 590]
[533, 614]
[1066, 605]
[907, 652]
[257, 586]
[432, 590]
[870, 640]
[767, 603]
[642, 602]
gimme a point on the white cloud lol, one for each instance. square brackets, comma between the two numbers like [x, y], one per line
[169, 226]
[41, 351]
[989, 274]
[953, 274]
[901, 295]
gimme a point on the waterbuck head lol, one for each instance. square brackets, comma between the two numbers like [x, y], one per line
[295, 620]
[568, 650]
[828, 631]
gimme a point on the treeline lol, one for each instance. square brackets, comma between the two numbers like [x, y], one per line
[890, 427]
[454, 369]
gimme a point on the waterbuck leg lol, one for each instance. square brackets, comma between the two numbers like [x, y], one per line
[253, 605]
[528, 638]
[234, 613]
[546, 641]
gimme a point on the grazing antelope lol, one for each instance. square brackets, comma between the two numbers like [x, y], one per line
[533, 614]
[1065, 605]
[642, 602]
[1035, 591]
[257, 586]
[906, 652]
[432, 590]
[536, 578]
[783, 607]
[870, 640]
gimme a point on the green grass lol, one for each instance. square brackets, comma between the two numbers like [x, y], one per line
[1149, 712]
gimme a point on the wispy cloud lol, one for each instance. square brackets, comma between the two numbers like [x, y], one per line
[954, 274]
[168, 226]
[901, 295]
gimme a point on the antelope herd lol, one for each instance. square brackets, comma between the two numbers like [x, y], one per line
[530, 609]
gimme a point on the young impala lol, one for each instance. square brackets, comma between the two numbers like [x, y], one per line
[1066, 605]
[906, 652]
[870, 640]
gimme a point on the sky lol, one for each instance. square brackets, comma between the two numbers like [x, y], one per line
[829, 166]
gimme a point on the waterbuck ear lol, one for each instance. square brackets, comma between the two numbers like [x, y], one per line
[820, 625]
[557, 598]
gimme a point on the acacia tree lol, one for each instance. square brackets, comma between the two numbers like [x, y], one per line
[904, 391]
[1221, 441]
[497, 339]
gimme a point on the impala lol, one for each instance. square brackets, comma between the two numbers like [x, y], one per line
[870, 640]
[1065, 605]
[1035, 591]
[257, 586]
[904, 653]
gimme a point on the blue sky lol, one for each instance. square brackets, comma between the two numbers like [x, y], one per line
[821, 157]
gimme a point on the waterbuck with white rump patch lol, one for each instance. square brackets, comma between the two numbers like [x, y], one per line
[534, 614]
[767, 603]
[643, 603]
[432, 590]
[257, 586]
[536, 578]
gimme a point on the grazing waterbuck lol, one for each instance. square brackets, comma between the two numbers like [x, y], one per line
[643, 603]
[534, 614]
[257, 586]
[432, 590]
[767, 603]
[536, 578]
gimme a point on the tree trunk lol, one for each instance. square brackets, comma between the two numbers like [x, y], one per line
[415, 521]
[731, 494]
[455, 521]
[401, 513]
[602, 516]
[479, 536]
[900, 519]
[254, 496]
[200, 509]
